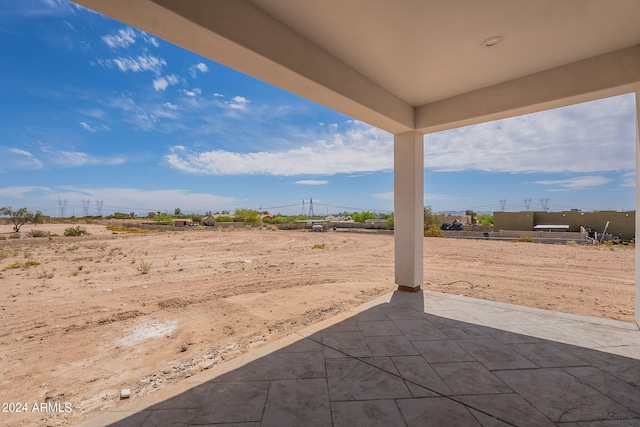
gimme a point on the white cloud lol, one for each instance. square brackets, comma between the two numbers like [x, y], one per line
[65, 158]
[361, 149]
[122, 39]
[161, 83]
[149, 39]
[578, 182]
[591, 137]
[136, 65]
[192, 93]
[629, 180]
[239, 103]
[312, 182]
[17, 158]
[87, 127]
[218, 95]
[17, 192]
[193, 70]
[126, 37]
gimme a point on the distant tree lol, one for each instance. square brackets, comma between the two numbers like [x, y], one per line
[224, 218]
[177, 211]
[363, 216]
[163, 218]
[390, 220]
[132, 214]
[20, 217]
[247, 215]
[430, 218]
[485, 220]
[38, 218]
[473, 215]
[208, 213]
[197, 218]
[225, 212]
[151, 214]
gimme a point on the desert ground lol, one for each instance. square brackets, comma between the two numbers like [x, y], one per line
[85, 317]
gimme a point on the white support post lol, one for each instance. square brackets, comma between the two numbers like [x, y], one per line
[637, 295]
[408, 202]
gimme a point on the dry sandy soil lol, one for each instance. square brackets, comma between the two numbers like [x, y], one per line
[107, 311]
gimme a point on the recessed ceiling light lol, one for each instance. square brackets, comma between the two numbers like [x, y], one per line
[492, 41]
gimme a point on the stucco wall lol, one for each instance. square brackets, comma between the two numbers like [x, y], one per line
[621, 224]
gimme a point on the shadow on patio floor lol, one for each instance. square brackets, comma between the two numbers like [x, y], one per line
[418, 359]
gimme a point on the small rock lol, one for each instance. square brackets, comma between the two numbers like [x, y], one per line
[183, 347]
[125, 393]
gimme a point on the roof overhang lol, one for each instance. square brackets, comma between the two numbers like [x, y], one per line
[412, 64]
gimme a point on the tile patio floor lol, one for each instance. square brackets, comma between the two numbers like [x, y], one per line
[417, 359]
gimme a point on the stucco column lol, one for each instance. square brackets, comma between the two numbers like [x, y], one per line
[637, 295]
[408, 187]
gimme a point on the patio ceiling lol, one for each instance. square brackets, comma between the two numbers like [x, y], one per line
[410, 64]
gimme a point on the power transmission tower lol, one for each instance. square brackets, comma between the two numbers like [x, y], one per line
[62, 206]
[303, 211]
[311, 206]
[503, 204]
[545, 204]
[85, 207]
[99, 206]
[527, 204]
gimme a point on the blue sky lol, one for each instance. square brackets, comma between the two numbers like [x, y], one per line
[92, 110]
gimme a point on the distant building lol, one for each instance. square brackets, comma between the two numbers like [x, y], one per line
[182, 222]
[621, 224]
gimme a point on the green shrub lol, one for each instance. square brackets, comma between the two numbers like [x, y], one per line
[224, 218]
[272, 227]
[318, 246]
[526, 239]
[247, 215]
[144, 267]
[75, 231]
[433, 231]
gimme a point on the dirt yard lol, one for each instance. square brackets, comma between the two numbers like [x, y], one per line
[85, 317]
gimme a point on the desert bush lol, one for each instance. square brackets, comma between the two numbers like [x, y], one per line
[318, 246]
[19, 264]
[16, 264]
[39, 233]
[272, 227]
[247, 227]
[526, 239]
[608, 243]
[224, 218]
[144, 267]
[14, 236]
[571, 243]
[433, 231]
[75, 231]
